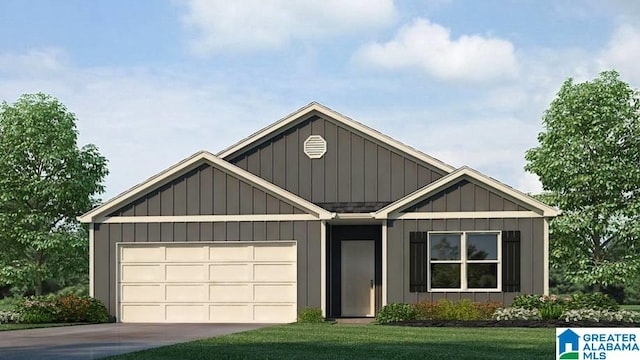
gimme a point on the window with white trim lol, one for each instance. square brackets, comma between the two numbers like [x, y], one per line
[466, 261]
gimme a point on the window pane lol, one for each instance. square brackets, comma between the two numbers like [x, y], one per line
[482, 246]
[445, 276]
[482, 276]
[445, 246]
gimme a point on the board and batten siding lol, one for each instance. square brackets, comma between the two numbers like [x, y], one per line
[355, 168]
[206, 190]
[466, 196]
[305, 233]
[531, 263]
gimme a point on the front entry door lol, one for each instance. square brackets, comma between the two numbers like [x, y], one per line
[357, 275]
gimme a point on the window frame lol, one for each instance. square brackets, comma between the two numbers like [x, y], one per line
[464, 261]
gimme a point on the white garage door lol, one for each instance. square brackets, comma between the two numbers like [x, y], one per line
[241, 282]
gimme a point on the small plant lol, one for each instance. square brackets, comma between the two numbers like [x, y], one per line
[426, 309]
[551, 311]
[594, 300]
[601, 315]
[310, 315]
[38, 310]
[9, 317]
[461, 310]
[517, 313]
[396, 312]
[486, 309]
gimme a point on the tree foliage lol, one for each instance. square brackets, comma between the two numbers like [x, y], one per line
[588, 160]
[46, 181]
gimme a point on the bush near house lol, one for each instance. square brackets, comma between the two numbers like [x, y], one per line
[442, 309]
[62, 309]
[552, 307]
[396, 312]
[310, 315]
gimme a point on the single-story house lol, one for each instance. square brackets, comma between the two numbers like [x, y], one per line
[315, 210]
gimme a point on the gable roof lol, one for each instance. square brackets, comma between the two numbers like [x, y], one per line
[315, 107]
[464, 172]
[191, 162]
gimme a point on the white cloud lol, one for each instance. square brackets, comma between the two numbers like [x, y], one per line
[623, 53]
[36, 60]
[223, 25]
[430, 48]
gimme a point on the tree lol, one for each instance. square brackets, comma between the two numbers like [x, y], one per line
[45, 183]
[588, 160]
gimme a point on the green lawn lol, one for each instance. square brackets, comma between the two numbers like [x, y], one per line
[630, 307]
[7, 327]
[365, 342]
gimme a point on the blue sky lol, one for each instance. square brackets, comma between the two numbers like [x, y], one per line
[152, 82]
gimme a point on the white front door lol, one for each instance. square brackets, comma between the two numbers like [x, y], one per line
[357, 277]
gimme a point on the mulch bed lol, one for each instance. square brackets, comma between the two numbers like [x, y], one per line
[513, 323]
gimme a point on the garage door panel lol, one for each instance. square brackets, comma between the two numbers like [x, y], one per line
[274, 272]
[186, 293]
[274, 292]
[230, 272]
[280, 252]
[241, 252]
[142, 313]
[141, 293]
[141, 254]
[186, 313]
[230, 313]
[207, 282]
[274, 313]
[186, 253]
[188, 273]
[142, 273]
[231, 293]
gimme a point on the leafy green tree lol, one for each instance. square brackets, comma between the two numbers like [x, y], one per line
[45, 182]
[588, 160]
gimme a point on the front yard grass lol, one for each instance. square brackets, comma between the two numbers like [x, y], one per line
[321, 341]
[8, 327]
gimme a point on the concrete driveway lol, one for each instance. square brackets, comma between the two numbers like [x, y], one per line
[96, 341]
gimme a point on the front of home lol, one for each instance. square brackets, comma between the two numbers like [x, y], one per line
[315, 210]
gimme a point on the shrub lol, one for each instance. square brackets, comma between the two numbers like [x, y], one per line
[551, 310]
[38, 310]
[595, 301]
[69, 308]
[72, 308]
[516, 313]
[425, 309]
[396, 312]
[487, 309]
[310, 316]
[9, 317]
[601, 315]
[461, 310]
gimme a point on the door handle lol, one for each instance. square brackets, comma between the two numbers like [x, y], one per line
[371, 284]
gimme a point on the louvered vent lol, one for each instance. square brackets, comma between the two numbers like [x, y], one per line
[315, 147]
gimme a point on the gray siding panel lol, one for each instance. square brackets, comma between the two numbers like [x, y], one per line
[305, 233]
[466, 196]
[206, 191]
[356, 167]
[532, 262]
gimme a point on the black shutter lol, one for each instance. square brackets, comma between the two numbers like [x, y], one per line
[418, 261]
[511, 261]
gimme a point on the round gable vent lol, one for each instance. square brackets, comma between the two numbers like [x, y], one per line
[315, 147]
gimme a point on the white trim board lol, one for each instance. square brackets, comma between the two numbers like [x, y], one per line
[321, 109]
[189, 163]
[465, 215]
[204, 218]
